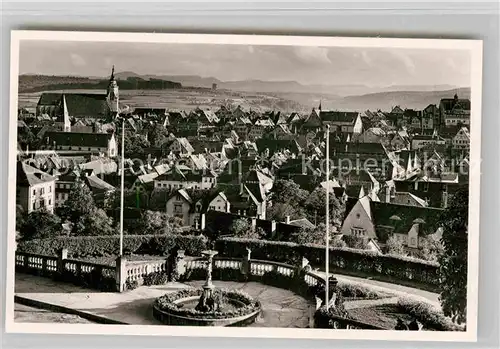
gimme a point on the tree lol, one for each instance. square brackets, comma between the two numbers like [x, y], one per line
[453, 260]
[94, 223]
[85, 217]
[356, 242]
[79, 203]
[316, 208]
[287, 191]
[431, 249]
[280, 211]
[20, 217]
[395, 246]
[40, 224]
[158, 135]
[240, 227]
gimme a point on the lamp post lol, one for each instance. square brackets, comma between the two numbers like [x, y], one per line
[327, 242]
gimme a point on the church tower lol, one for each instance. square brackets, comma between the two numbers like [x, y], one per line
[112, 93]
[63, 121]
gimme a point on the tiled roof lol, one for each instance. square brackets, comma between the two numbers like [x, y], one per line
[28, 175]
[87, 104]
[338, 116]
[303, 223]
[275, 145]
[77, 139]
[185, 144]
[96, 183]
[382, 213]
[405, 198]
[49, 98]
[100, 166]
[449, 104]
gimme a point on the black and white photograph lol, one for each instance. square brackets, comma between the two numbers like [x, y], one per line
[233, 185]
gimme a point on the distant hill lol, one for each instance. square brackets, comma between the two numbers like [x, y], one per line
[37, 83]
[341, 97]
[386, 100]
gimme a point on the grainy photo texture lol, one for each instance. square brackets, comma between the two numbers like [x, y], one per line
[225, 182]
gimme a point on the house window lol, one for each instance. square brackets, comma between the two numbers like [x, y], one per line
[50, 202]
[34, 192]
[42, 191]
[34, 206]
[178, 208]
[213, 208]
[413, 241]
[50, 189]
[426, 186]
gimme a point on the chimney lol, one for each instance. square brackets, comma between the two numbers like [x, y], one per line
[273, 228]
[202, 221]
[287, 221]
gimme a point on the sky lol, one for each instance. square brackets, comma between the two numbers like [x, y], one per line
[306, 65]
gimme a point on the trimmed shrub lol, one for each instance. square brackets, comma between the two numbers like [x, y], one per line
[156, 278]
[96, 246]
[349, 290]
[427, 315]
[94, 280]
[131, 285]
[166, 303]
[345, 259]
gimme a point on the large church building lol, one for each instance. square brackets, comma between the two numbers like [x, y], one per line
[67, 108]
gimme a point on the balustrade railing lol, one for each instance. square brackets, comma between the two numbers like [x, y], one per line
[137, 270]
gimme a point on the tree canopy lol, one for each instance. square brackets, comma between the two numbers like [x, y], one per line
[453, 260]
[40, 224]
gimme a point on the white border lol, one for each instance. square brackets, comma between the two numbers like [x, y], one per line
[476, 50]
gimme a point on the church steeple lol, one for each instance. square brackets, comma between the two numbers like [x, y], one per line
[319, 107]
[112, 93]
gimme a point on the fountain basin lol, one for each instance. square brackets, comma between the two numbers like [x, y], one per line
[178, 309]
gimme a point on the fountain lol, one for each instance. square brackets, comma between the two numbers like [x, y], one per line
[206, 306]
[207, 300]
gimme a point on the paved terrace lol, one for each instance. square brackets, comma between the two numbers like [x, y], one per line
[280, 308]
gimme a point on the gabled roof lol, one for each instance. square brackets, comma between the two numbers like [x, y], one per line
[455, 104]
[28, 175]
[383, 212]
[87, 104]
[276, 145]
[183, 193]
[256, 191]
[338, 116]
[78, 139]
[185, 144]
[405, 198]
[100, 166]
[95, 183]
[303, 223]
[49, 98]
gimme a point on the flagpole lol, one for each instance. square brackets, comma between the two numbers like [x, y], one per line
[327, 242]
[122, 185]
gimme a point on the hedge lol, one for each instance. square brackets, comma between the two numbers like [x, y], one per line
[346, 259]
[425, 313]
[97, 246]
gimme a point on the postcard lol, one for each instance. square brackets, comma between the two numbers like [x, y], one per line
[244, 186]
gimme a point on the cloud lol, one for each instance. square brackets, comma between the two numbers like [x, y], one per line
[366, 58]
[77, 60]
[406, 60]
[311, 54]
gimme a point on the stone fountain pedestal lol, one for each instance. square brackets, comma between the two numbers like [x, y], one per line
[207, 301]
